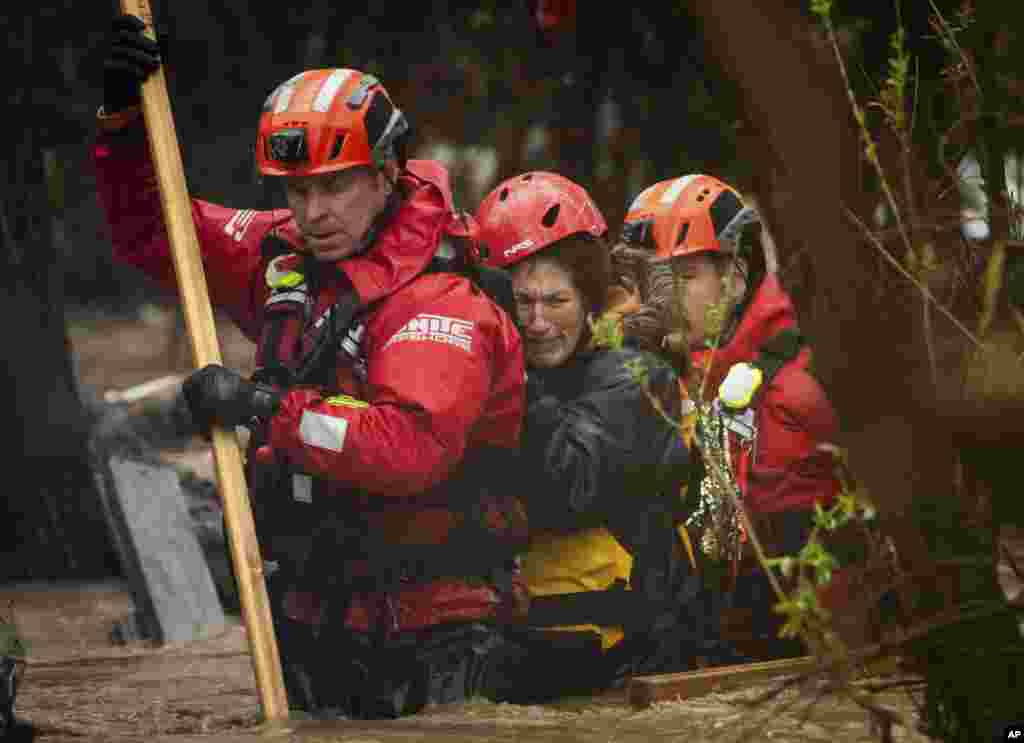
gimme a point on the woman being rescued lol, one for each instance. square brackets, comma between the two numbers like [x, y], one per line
[601, 467]
[751, 369]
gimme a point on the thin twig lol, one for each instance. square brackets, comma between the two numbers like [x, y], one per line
[944, 28]
[889, 685]
[907, 635]
[780, 687]
[910, 277]
[1013, 563]
[869, 143]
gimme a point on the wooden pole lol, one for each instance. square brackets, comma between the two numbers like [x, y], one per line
[202, 333]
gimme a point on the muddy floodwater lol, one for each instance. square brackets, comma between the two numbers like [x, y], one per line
[80, 686]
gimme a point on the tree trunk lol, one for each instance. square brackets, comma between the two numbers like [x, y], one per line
[903, 429]
[50, 518]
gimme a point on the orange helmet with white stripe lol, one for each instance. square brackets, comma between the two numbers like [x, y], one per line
[706, 215]
[636, 227]
[325, 120]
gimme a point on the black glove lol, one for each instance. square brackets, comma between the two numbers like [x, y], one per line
[216, 395]
[131, 58]
[543, 414]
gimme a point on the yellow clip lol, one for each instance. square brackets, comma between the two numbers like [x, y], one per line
[740, 385]
[347, 402]
[288, 280]
[283, 279]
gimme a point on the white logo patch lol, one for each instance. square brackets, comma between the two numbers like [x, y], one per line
[519, 247]
[239, 223]
[437, 328]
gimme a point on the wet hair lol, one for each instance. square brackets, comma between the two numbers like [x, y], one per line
[585, 258]
[629, 266]
[661, 326]
[752, 254]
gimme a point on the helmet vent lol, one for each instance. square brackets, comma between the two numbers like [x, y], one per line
[339, 141]
[551, 216]
[503, 195]
[724, 208]
[682, 234]
[528, 176]
[376, 119]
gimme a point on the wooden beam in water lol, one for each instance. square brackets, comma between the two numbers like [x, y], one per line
[645, 690]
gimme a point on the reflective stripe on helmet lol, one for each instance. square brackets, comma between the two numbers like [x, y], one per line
[330, 89]
[284, 95]
[673, 191]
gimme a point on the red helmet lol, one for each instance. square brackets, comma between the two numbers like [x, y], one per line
[707, 215]
[636, 227]
[528, 212]
[325, 120]
[551, 15]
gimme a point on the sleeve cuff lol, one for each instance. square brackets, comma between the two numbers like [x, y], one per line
[118, 120]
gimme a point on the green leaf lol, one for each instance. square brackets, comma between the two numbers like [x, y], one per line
[11, 643]
[822, 9]
[607, 331]
[785, 565]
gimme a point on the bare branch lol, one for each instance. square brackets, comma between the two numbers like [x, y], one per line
[908, 276]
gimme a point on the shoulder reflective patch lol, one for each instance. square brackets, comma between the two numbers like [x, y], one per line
[740, 385]
[323, 431]
[302, 488]
[283, 272]
[452, 331]
[347, 402]
[239, 223]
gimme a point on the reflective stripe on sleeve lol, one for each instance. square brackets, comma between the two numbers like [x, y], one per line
[323, 431]
[302, 488]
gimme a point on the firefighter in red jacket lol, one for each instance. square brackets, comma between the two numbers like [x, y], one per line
[389, 388]
[751, 366]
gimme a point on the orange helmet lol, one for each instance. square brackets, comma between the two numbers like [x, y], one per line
[636, 227]
[528, 212]
[706, 215]
[325, 120]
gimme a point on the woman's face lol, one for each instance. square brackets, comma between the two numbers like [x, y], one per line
[549, 311]
[701, 287]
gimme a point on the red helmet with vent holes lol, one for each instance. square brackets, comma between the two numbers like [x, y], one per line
[528, 212]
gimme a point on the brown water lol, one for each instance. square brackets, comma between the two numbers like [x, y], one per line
[79, 687]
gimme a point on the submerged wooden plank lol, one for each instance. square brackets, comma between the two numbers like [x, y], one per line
[642, 691]
[645, 690]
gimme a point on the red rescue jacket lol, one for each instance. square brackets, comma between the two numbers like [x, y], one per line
[782, 470]
[444, 366]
